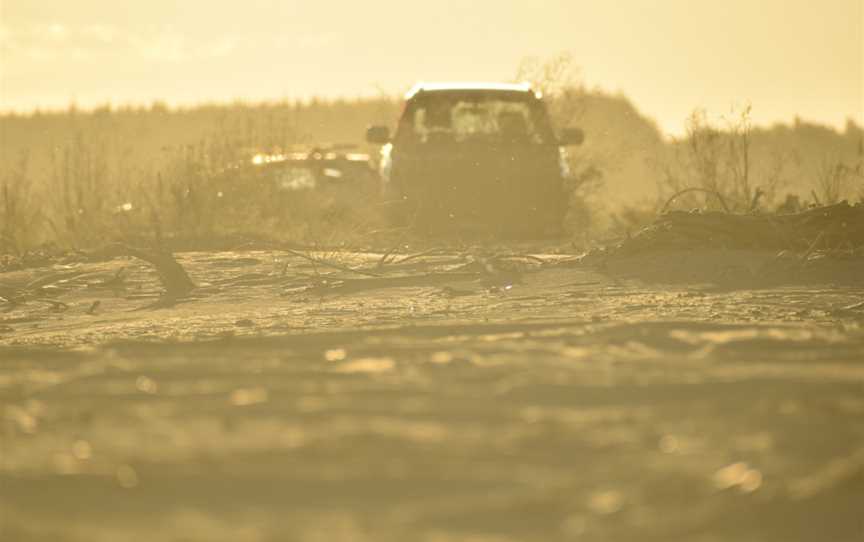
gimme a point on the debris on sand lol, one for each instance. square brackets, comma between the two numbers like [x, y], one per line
[15, 294]
[174, 278]
[822, 244]
[839, 226]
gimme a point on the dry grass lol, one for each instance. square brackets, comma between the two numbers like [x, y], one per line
[150, 176]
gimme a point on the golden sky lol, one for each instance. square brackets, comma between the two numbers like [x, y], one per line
[785, 57]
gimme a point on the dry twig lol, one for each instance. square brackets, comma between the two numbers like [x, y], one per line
[695, 189]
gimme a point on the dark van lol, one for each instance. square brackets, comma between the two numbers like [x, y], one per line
[479, 156]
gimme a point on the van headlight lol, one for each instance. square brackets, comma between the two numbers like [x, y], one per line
[564, 163]
[385, 166]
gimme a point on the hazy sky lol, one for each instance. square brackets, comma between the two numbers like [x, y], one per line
[786, 57]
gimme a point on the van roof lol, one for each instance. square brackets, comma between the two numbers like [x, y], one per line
[468, 86]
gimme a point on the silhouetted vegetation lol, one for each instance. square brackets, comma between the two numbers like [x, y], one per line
[77, 178]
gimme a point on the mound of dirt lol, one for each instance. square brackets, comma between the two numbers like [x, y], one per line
[835, 227]
[820, 245]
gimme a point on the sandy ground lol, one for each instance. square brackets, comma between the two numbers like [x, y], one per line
[680, 396]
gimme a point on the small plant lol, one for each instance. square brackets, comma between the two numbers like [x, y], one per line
[714, 164]
[834, 179]
[80, 191]
[558, 80]
[18, 215]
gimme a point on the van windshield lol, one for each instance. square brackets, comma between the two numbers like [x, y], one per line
[483, 118]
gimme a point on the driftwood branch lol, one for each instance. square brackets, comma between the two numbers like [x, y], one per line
[332, 265]
[172, 275]
[431, 279]
[676, 195]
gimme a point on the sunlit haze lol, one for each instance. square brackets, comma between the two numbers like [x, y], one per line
[785, 57]
[439, 271]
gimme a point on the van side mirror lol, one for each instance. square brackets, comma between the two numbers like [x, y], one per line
[572, 136]
[379, 135]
